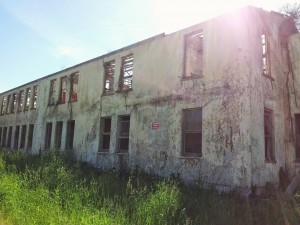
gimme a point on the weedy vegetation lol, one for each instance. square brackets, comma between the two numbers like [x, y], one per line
[52, 189]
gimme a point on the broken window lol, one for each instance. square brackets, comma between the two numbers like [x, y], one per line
[21, 101]
[48, 135]
[74, 86]
[52, 93]
[70, 134]
[265, 54]
[17, 134]
[3, 106]
[63, 90]
[268, 133]
[192, 132]
[105, 134]
[126, 75]
[23, 136]
[8, 144]
[14, 103]
[193, 55]
[35, 94]
[4, 136]
[109, 70]
[0, 135]
[297, 129]
[30, 135]
[124, 126]
[8, 108]
[27, 98]
[58, 134]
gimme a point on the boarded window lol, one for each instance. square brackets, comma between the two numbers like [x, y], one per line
[23, 137]
[193, 61]
[14, 103]
[74, 86]
[21, 101]
[126, 76]
[48, 135]
[17, 135]
[30, 135]
[192, 132]
[105, 134]
[27, 98]
[8, 108]
[109, 70]
[268, 133]
[297, 129]
[63, 90]
[265, 46]
[52, 93]
[124, 127]
[3, 106]
[4, 136]
[58, 134]
[35, 95]
[9, 136]
[70, 134]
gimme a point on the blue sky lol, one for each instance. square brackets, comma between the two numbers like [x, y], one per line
[42, 37]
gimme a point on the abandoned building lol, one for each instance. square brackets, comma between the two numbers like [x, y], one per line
[217, 103]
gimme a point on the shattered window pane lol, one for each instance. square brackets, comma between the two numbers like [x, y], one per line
[109, 69]
[126, 73]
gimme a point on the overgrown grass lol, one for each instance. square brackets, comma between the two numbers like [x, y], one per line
[52, 189]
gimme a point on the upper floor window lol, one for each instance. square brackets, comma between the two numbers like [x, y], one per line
[3, 106]
[109, 70]
[74, 86]
[52, 93]
[63, 89]
[265, 48]
[35, 94]
[8, 104]
[193, 55]
[126, 75]
[21, 101]
[27, 98]
[14, 103]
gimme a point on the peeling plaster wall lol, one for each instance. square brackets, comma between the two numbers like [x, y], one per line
[232, 94]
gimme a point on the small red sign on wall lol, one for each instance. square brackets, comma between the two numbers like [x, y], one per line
[155, 125]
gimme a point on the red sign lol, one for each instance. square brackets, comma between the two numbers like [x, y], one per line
[155, 125]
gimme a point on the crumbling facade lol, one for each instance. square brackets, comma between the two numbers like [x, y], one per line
[216, 103]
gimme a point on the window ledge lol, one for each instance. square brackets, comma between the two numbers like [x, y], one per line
[191, 77]
[104, 153]
[269, 77]
[121, 153]
[190, 157]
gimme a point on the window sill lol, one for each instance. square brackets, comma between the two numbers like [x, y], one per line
[122, 153]
[193, 77]
[190, 157]
[104, 152]
[268, 77]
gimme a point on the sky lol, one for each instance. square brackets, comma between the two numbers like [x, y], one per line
[42, 37]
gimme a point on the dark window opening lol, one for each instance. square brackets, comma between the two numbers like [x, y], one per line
[21, 101]
[74, 86]
[297, 129]
[105, 134]
[0, 135]
[268, 133]
[4, 136]
[124, 127]
[265, 46]
[70, 134]
[52, 94]
[192, 132]
[8, 108]
[27, 98]
[48, 135]
[14, 103]
[23, 137]
[109, 70]
[35, 95]
[63, 89]
[58, 134]
[193, 62]
[30, 135]
[3, 106]
[8, 144]
[126, 75]
[17, 134]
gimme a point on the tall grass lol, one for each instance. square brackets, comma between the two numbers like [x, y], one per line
[51, 189]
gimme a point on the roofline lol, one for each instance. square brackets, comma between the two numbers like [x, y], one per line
[91, 60]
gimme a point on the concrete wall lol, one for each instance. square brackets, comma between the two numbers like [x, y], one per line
[232, 94]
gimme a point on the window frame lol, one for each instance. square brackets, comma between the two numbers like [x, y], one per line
[269, 137]
[23, 136]
[74, 91]
[34, 97]
[63, 98]
[297, 136]
[127, 66]
[17, 137]
[27, 99]
[191, 131]
[122, 136]
[109, 73]
[48, 136]
[30, 135]
[21, 98]
[70, 138]
[266, 54]
[3, 105]
[58, 134]
[103, 133]
[52, 92]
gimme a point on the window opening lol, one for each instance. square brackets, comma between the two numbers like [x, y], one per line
[297, 129]
[27, 98]
[52, 93]
[58, 134]
[124, 127]
[192, 132]
[4, 137]
[48, 135]
[63, 89]
[21, 101]
[0, 135]
[105, 134]
[8, 108]
[70, 134]
[14, 103]
[30, 135]
[17, 134]
[193, 65]
[23, 136]
[8, 144]
[74, 86]
[3, 106]
[35, 95]
[126, 76]
[109, 70]
[268, 133]
[265, 54]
